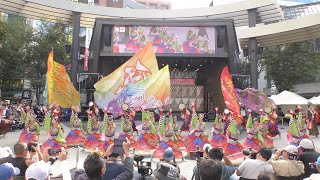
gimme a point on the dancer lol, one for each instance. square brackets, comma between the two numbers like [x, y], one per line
[126, 130]
[31, 130]
[218, 138]
[254, 139]
[226, 117]
[56, 140]
[293, 135]
[302, 127]
[93, 139]
[233, 149]
[312, 126]
[147, 140]
[197, 137]
[75, 136]
[185, 115]
[108, 129]
[168, 138]
[273, 124]
[180, 141]
[263, 127]
[132, 115]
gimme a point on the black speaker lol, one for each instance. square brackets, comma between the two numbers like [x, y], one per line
[221, 36]
[107, 33]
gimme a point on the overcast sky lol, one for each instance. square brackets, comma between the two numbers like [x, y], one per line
[183, 4]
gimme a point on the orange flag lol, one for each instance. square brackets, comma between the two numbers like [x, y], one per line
[229, 94]
[60, 89]
[136, 69]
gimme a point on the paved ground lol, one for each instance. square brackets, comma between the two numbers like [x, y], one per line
[186, 165]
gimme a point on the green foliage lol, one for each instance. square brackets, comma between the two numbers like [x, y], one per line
[291, 64]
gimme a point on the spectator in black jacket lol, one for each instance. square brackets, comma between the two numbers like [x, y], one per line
[308, 155]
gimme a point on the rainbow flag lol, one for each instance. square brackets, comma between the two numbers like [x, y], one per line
[136, 69]
[146, 94]
[60, 90]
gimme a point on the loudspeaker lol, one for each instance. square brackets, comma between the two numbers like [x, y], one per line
[107, 33]
[221, 36]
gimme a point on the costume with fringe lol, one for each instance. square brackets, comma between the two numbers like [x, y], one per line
[127, 131]
[31, 130]
[92, 141]
[268, 141]
[180, 141]
[168, 138]
[147, 139]
[254, 138]
[75, 136]
[108, 132]
[273, 125]
[293, 135]
[218, 138]
[233, 149]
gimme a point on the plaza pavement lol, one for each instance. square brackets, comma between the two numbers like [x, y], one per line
[185, 165]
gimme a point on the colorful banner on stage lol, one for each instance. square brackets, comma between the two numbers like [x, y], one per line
[153, 92]
[229, 94]
[254, 99]
[60, 89]
[138, 68]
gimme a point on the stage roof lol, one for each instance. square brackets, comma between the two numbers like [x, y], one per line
[267, 11]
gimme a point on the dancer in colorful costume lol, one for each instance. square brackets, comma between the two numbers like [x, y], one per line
[56, 139]
[273, 124]
[218, 138]
[127, 131]
[108, 129]
[132, 115]
[302, 127]
[263, 127]
[197, 137]
[226, 117]
[75, 136]
[31, 130]
[167, 137]
[181, 142]
[312, 125]
[293, 135]
[185, 115]
[147, 140]
[93, 128]
[254, 139]
[233, 149]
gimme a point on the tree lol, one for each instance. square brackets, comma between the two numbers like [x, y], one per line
[47, 36]
[291, 64]
[15, 35]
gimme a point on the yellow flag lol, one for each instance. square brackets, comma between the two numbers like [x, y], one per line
[60, 89]
[139, 67]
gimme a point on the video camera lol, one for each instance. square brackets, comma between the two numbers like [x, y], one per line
[249, 152]
[31, 145]
[144, 167]
[196, 155]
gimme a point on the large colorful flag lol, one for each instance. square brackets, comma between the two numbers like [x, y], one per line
[153, 92]
[59, 87]
[229, 94]
[138, 68]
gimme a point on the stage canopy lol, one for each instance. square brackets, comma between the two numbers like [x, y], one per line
[289, 98]
[315, 100]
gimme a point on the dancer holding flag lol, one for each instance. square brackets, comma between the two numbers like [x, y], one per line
[197, 137]
[167, 137]
[75, 136]
[218, 138]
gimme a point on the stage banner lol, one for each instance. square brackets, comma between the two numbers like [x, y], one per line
[229, 94]
[150, 93]
[254, 99]
[59, 87]
[138, 68]
[183, 81]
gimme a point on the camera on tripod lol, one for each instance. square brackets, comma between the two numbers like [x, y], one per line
[251, 153]
[144, 167]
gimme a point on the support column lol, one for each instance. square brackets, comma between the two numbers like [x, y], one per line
[253, 57]
[75, 48]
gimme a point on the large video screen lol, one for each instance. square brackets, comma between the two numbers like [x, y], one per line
[171, 40]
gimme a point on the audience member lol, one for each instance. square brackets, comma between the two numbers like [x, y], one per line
[95, 166]
[286, 165]
[259, 165]
[8, 171]
[308, 155]
[315, 176]
[217, 154]
[23, 158]
[267, 176]
[210, 169]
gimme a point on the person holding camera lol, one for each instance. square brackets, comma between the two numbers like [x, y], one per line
[286, 165]
[95, 166]
[24, 154]
[251, 168]
[308, 156]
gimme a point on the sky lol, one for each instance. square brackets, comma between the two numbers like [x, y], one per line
[184, 4]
